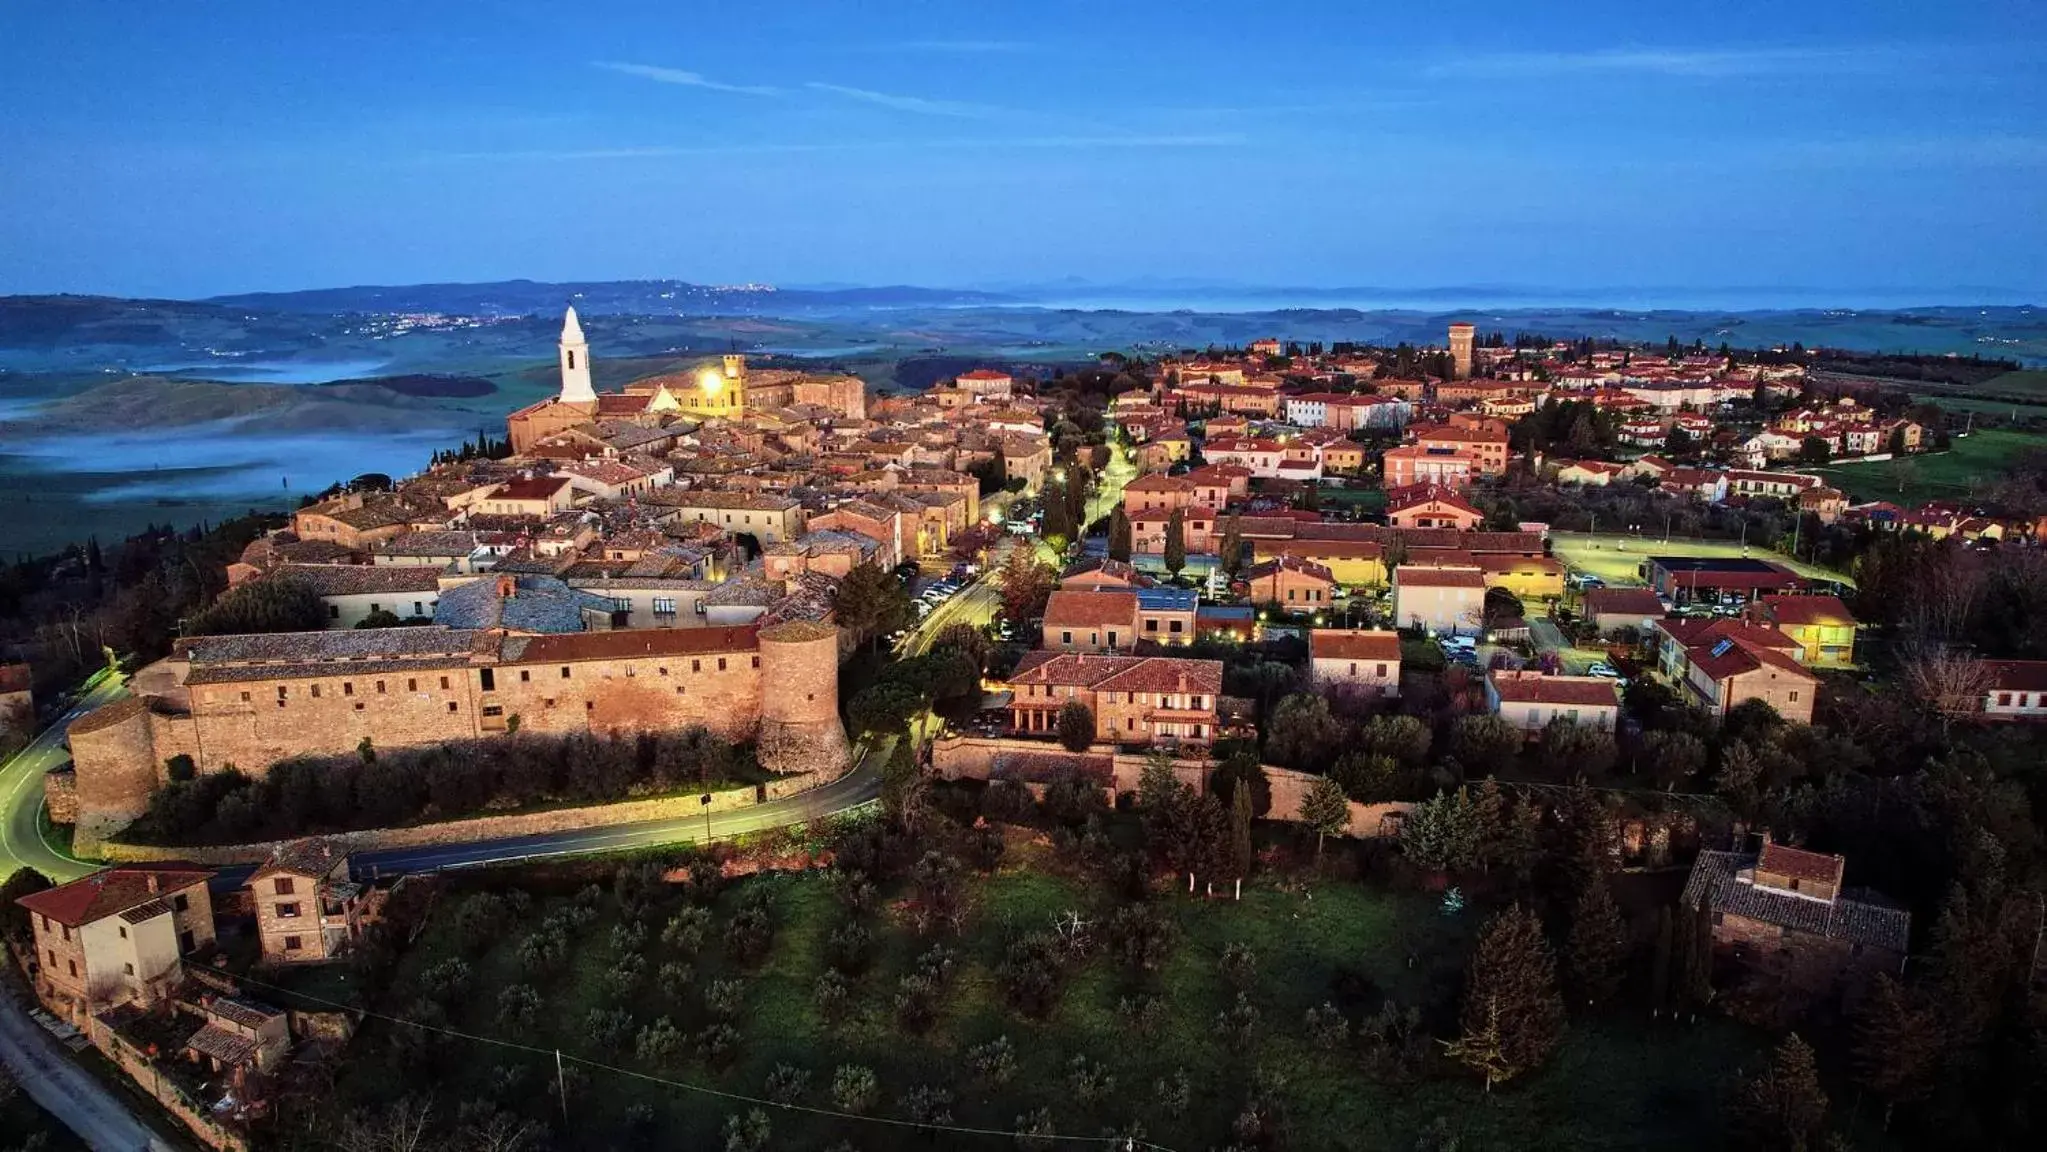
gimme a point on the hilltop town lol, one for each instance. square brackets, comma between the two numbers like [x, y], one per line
[1272, 598]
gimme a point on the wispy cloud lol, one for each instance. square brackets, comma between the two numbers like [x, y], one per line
[657, 151]
[686, 78]
[1692, 63]
[918, 104]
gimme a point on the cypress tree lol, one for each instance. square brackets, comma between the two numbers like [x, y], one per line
[1176, 542]
[1784, 1107]
[1597, 946]
[1119, 535]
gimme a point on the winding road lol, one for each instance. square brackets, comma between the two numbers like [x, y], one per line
[22, 842]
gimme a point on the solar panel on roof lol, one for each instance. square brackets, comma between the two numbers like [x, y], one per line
[1721, 648]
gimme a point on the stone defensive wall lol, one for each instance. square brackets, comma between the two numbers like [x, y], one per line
[468, 831]
[1036, 762]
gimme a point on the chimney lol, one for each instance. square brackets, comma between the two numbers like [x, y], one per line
[149, 881]
[1183, 682]
[508, 587]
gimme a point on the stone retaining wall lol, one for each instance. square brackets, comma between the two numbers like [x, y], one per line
[973, 757]
[453, 831]
[60, 793]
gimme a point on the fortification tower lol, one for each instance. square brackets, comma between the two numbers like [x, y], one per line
[1461, 336]
[800, 728]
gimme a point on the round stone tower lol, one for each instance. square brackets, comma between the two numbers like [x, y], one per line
[800, 728]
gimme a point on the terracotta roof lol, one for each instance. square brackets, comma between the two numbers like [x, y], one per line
[1353, 644]
[1800, 864]
[1288, 562]
[1167, 674]
[568, 648]
[112, 891]
[312, 857]
[1806, 610]
[2005, 675]
[1079, 608]
[1419, 495]
[1415, 576]
[1622, 602]
[228, 1047]
[1534, 688]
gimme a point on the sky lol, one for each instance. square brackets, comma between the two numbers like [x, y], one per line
[191, 149]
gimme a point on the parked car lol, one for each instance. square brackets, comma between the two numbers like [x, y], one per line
[1604, 671]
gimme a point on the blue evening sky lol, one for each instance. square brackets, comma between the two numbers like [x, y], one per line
[190, 148]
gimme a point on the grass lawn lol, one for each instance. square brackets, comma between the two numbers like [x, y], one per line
[1616, 1083]
[1970, 466]
[1617, 559]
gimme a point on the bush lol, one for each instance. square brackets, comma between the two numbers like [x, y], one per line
[659, 1042]
[787, 1084]
[1030, 974]
[993, 1063]
[849, 948]
[854, 1088]
[686, 929]
[1238, 965]
[724, 998]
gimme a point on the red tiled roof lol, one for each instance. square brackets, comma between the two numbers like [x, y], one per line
[1582, 691]
[2017, 675]
[1353, 644]
[536, 488]
[1622, 602]
[1078, 608]
[1807, 610]
[1167, 674]
[1800, 864]
[112, 891]
[568, 648]
[1414, 576]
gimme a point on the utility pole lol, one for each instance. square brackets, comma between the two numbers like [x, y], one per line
[561, 1087]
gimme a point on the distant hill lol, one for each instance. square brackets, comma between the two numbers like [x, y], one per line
[159, 402]
[603, 297]
[432, 384]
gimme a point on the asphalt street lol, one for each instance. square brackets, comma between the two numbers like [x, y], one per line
[22, 843]
[54, 1080]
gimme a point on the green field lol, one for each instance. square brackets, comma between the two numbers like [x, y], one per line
[1968, 469]
[1617, 1082]
[2025, 380]
[1617, 559]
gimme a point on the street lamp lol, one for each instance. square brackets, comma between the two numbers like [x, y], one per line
[705, 800]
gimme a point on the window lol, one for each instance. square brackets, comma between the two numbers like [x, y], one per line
[444, 683]
[1066, 637]
[380, 687]
[348, 688]
[721, 663]
[756, 661]
[565, 672]
[128, 968]
[124, 931]
[493, 710]
[2004, 699]
[67, 932]
[291, 943]
[1174, 626]
[282, 691]
[73, 965]
[696, 665]
[454, 707]
[282, 886]
[180, 903]
[1794, 695]
[245, 697]
[333, 611]
[489, 677]
[411, 685]
[287, 911]
[1151, 625]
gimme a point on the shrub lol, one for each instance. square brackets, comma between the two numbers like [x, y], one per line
[659, 1042]
[1090, 1080]
[787, 1084]
[993, 1063]
[686, 929]
[854, 1088]
[518, 1006]
[717, 1044]
[1173, 1092]
[849, 948]
[749, 935]
[1238, 965]
[831, 994]
[608, 1027]
[916, 1002]
[1235, 1023]
[1326, 1028]
[1030, 974]
[1143, 936]
[621, 979]
[724, 998]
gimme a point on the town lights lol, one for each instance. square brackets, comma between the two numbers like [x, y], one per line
[710, 381]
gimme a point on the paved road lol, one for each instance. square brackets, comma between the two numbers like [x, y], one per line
[21, 791]
[857, 787]
[68, 1092]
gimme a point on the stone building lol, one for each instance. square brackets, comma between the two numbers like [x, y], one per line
[118, 935]
[1136, 700]
[251, 701]
[1368, 659]
[307, 907]
[1783, 914]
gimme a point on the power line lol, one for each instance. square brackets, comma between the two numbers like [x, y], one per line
[1129, 1144]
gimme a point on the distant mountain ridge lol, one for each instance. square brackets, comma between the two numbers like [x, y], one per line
[600, 297]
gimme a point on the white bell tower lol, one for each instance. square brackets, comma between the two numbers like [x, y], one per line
[575, 358]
